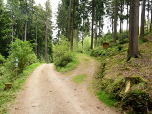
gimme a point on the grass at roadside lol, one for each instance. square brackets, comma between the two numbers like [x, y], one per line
[70, 66]
[79, 78]
[106, 98]
[8, 97]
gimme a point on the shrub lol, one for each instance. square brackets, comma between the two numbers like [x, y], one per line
[62, 53]
[24, 52]
[2, 59]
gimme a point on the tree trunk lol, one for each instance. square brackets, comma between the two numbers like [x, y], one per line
[12, 27]
[151, 18]
[46, 33]
[112, 26]
[133, 25]
[92, 24]
[77, 38]
[38, 53]
[99, 29]
[96, 35]
[25, 22]
[36, 41]
[73, 24]
[120, 22]
[148, 17]
[115, 22]
[69, 21]
[142, 20]
[127, 17]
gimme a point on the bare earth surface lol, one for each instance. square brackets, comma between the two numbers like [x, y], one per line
[47, 91]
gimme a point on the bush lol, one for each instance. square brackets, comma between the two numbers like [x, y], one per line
[24, 52]
[2, 59]
[62, 53]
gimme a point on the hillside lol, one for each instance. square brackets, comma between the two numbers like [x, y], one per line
[127, 82]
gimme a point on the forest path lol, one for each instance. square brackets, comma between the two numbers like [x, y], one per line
[47, 91]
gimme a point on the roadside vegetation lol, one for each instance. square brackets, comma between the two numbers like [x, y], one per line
[79, 78]
[121, 83]
[64, 58]
[27, 63]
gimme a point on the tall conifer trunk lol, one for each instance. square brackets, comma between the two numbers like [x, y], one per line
[151, 18]
[12, 26]
[46, 35]
[25, 22]
[92, 24]
[69, 21]
[133, 31]
[115, 22]
[73, 24]
[142, 20]
[36, 41]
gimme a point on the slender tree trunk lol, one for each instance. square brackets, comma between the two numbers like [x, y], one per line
[115, 22]
[148, 17]
[36, 41]
[69, 21]
[12, 26]
[120, 22]
[25, 22]
[73, 24]
[38, 52]
[82, 34]
[112, 26]
[92, 24]
[77, 37]
[127, 18]
[82, 43]
[133, 25]
[142, 20]
[99, 29]
[96, 35]
[46, 33]
[151, 18]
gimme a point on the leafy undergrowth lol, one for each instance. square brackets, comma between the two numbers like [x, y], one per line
[7, 97]
[79, 78]
[70, 66]
[129, 84]
[106, 98]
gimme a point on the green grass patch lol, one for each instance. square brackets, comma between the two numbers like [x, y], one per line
[79, 78]
[106, 99]
[8, 97]
[85, 59]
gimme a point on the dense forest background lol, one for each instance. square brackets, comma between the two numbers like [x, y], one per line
[24, 20]
[76, 20]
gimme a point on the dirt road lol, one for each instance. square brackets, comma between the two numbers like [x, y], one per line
[49, 92]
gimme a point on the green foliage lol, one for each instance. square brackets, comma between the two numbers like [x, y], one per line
[62, 53]
[24, 52]
[142, 40]
[86, 44]
[107, 38]
[106, 98]
[2, 59]
[79, 78]
[2, 70]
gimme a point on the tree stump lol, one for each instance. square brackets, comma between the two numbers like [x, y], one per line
[8, 86]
